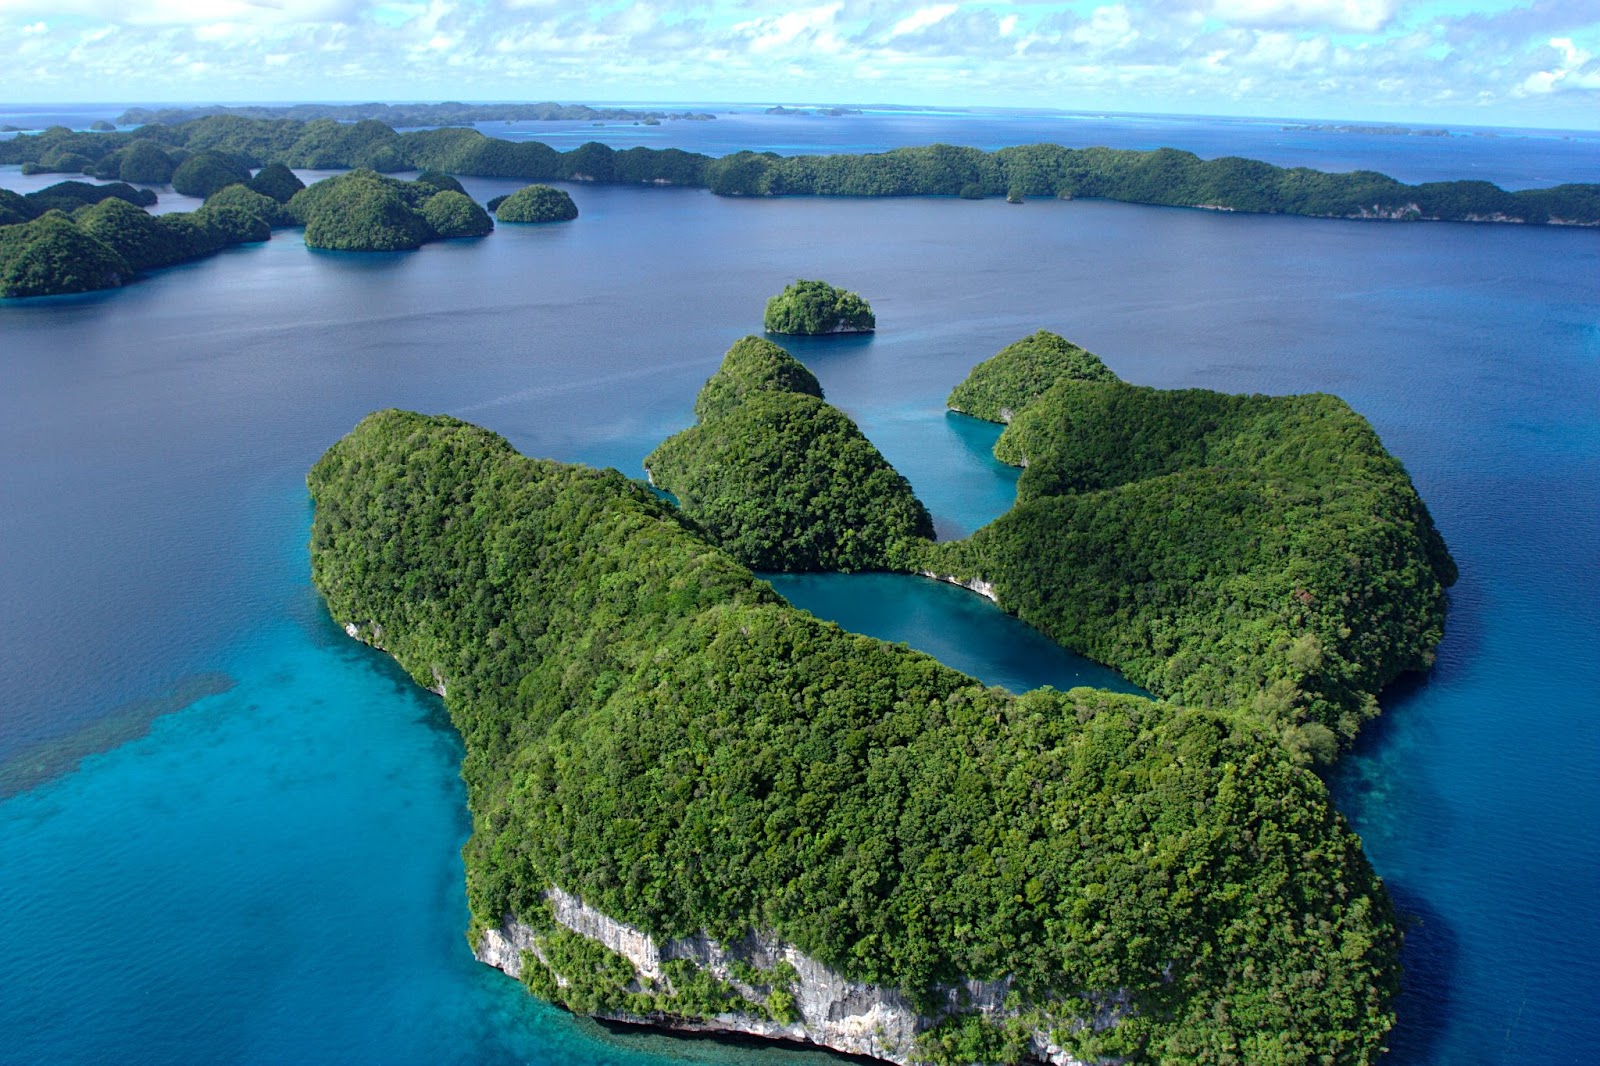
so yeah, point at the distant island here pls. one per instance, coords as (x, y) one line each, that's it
(1164, 176)
(810, 308)
(401, 116)
(1380, 131)
(697, 807)
(813, 112)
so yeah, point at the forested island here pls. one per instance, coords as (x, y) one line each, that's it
(696, 806)
(782, 479)
(1262, 553)
(535, 203)
(1164, 176)
(401, 116)
(76, 237)
(810, 308)
(364, 211)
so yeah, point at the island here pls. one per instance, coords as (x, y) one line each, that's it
(1163, 176)
(809, 308)
(364, 211)
(207, 172)
(696, 807)
(535, 203)
(108, 238)
(1264, 553)
(404, 115)
(77, 237)
(783, 480)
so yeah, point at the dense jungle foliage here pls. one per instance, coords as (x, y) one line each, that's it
(783, 480)
(364, 211)
(277, 181)
(108, 240)
(813, 307)
(1004, 384)
(105, 243)
(1262, 552)
(536, 203)
(50, 255)
(1164, 176)
(207, 172)
(653, 730)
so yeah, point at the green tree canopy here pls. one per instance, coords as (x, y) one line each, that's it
(649, 728)
(206, 172)
(361, 212)
(753, 364)
(440, 181)
(50, 255)
(537, 203)
(277, 181)
(1022, 371)
(813, 307)
(1263, 552)
(146, 162)
(454, 214)
(783, 480)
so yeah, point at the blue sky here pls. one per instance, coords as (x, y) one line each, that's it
(1483, 62)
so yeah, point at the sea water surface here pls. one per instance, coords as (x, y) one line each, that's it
(230, 835)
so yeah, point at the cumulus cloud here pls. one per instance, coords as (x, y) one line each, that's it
(1360, 16)
(1267, 56)
(1576, 70)
(189, 12)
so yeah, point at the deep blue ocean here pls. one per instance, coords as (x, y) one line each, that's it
(229, 834)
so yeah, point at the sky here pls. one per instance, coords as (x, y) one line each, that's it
(1469, 62)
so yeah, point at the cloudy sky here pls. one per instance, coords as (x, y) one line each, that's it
(1488, 62)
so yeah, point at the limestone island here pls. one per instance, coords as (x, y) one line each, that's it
(698, 808)
(782, 479)
(364, 211)
(1260, 553)
(809, 308)
(76, 237)
(328, 137)
(535, 203)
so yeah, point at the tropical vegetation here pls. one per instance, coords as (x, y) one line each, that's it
(536, 203)
(1256, 552)
(783, 480)
(813, 307)
(653, 730)
(1163, 176)
(364, 211)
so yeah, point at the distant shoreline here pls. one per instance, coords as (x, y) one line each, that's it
(1163, 177)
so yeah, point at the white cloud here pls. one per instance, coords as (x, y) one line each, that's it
(1575, 71)
(1361, 16)
(921, 20)
(1347, 58)
(188, 12)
